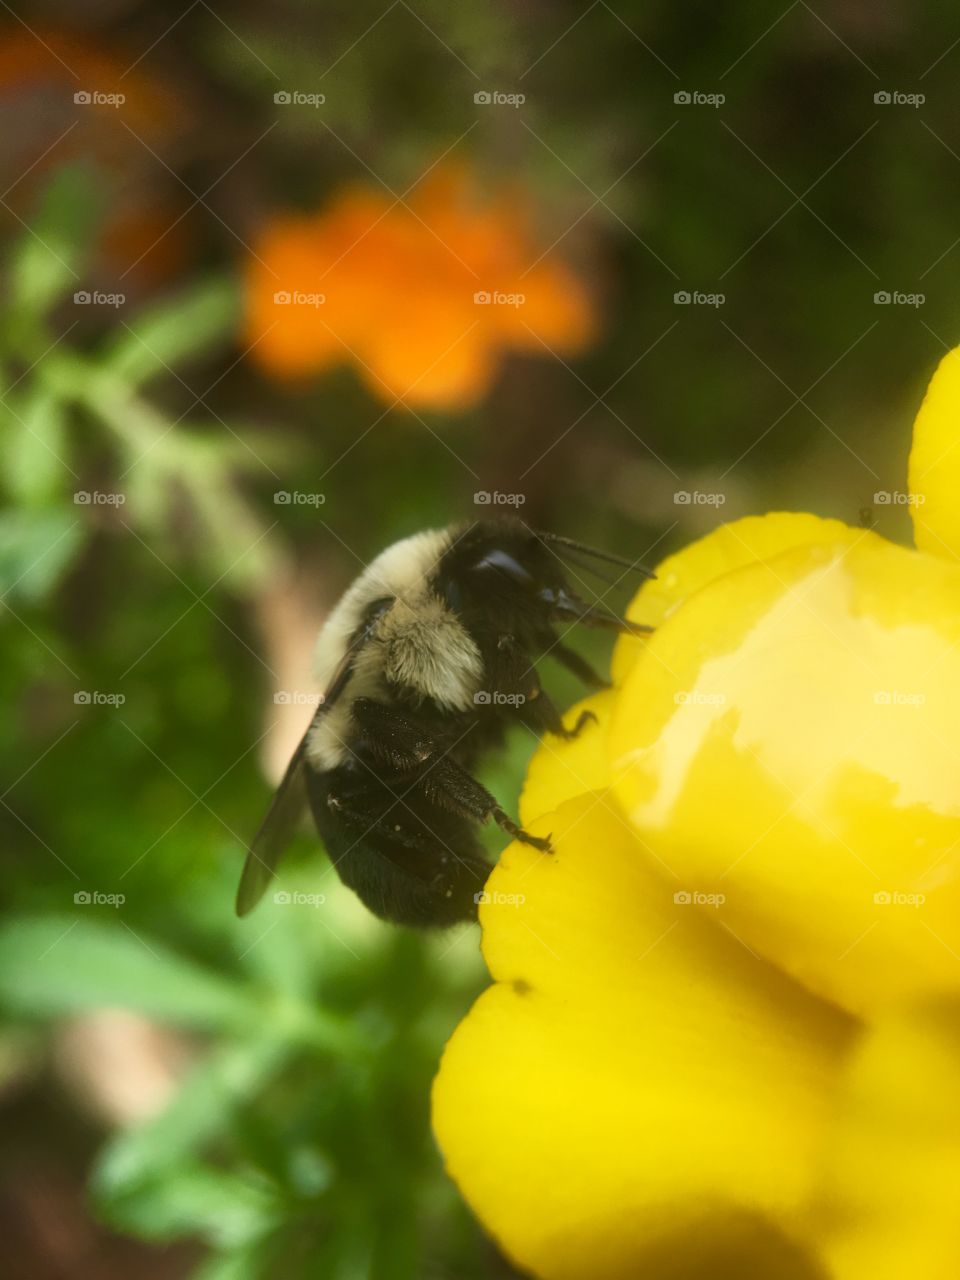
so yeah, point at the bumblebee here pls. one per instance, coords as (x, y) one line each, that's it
(426, 659)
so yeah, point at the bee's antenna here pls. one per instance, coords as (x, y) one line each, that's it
(584, 563)
(632, 565)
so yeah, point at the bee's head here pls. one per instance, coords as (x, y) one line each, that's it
(500, 574)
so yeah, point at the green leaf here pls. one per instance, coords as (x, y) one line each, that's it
(283, 958)
(36, 547)
(240, 1264)
(172, 331)
(33, 459)
(51, 965)
(225, 1209)
(202, 1109)
(48, 259)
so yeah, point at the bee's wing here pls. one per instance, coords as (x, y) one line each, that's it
(276, 831)
(289, 804)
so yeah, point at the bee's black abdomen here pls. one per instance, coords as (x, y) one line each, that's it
(409, 862)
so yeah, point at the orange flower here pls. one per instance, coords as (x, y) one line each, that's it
(424, 296)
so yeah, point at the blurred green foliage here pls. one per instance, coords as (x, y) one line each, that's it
(298, 1143)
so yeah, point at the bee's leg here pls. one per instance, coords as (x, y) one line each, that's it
(516, 678)
(415, 757)
(578, 666)
(370, 807)
(514, 671)
(449, 786)
(391, 737)
(511, 671)
(506, 823)
(392, 822)
(542, 715)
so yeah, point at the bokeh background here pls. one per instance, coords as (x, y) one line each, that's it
(194, 466)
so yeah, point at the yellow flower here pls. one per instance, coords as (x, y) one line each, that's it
(723, 1036)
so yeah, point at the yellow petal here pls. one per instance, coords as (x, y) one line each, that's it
(638, 1090)
(729, 547)
(563, 768)
(935, 463)
(890, 1200)
(791, 738)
